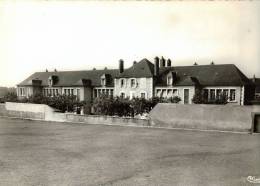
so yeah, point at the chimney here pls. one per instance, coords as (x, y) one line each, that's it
(46, 70)
(121, 66)
(156, 66)
(162, 62)
(169, 63)
(55, 70)
(254, 79)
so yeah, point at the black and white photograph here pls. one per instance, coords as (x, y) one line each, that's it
(129, 93)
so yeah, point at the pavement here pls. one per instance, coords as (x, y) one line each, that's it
(52, 153)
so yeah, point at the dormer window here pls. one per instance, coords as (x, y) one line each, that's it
(53, 79)
(169, 80)
(50, 81)
(103, 81)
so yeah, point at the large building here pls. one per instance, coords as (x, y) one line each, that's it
(144, 79)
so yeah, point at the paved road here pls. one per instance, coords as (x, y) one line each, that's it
(46, 153)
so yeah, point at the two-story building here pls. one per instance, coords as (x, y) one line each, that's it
(146, 80)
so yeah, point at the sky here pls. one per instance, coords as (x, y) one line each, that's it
(81, 35)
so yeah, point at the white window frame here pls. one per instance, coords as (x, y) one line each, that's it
(131, 94)
(122, 92)
(78, 93)
(169, 82)
(22, 91)
(222, 91)
(135, 84)
(177, 92)
(69, 91)
(124, 80)
(103, 81)
(143, 92)
(233, 100)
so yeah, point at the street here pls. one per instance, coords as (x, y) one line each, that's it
(52, 153)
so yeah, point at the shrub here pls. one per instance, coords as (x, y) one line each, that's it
(10, 97)
(199, 98)
(125, 107)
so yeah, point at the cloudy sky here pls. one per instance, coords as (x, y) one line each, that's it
(69, 35)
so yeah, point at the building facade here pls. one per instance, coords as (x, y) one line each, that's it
(144, 80)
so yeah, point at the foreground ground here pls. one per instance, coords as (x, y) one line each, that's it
(45, 153)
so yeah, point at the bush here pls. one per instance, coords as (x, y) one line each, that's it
(63, 103)
(10, 97)
(125, 107)
(199, 98)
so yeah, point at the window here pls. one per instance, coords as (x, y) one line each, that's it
(78, 94)
(169, 80)
(122, 95)
(164, 93)
(103, 81)
(232, 95)
(174, 92)
(143, 95)
(122, 82)
(212, 94)
(206, 94)
(219, 92)
(50, 81)
(132, 94)
(158, 92)
(112, 92)
(169, 93)
(225, 93)
(133, 83)
(22, 91)
(68, 91)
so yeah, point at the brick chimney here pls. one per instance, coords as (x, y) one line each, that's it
(156, 66)
(162, 62)
(121, 66)
(169, 63)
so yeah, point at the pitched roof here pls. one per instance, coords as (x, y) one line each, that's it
(144, 68)
(71, 78)
(206, 75)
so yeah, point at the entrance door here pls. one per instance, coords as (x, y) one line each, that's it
(186, 96)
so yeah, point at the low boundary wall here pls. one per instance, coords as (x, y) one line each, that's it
(204, 117)
(22, 110)
(108, 120)
(164, 115)
(44, 112)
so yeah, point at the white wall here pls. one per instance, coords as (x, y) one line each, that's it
(25, 107)
(180, 92)
(143, 85)
(28, 91)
